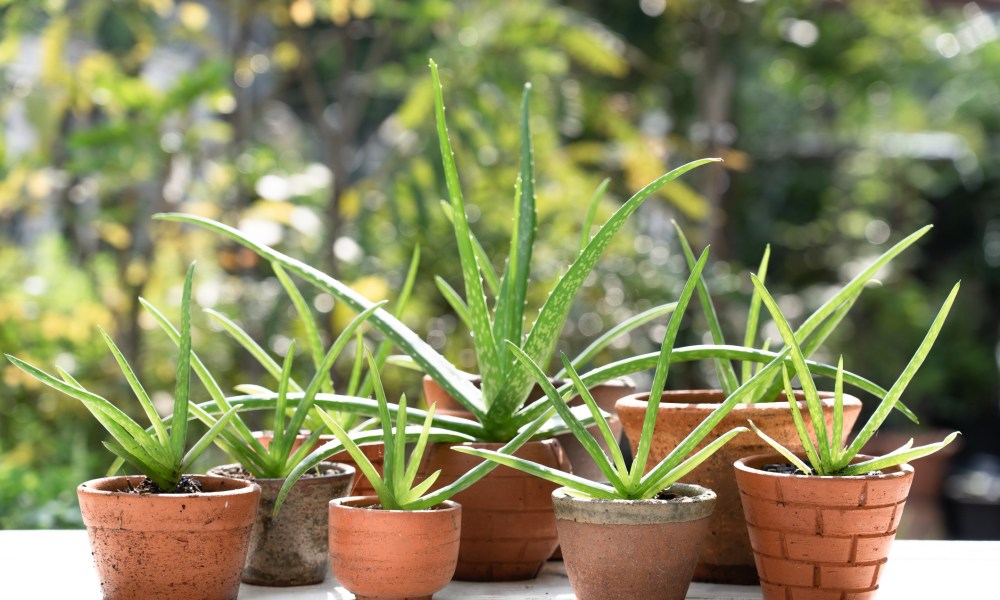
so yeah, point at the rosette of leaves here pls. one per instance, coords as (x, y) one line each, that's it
(161, 453)
(826, 455)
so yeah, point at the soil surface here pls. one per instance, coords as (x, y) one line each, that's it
(672, 497)
(786, 469)
(238, 472)
(187, 485)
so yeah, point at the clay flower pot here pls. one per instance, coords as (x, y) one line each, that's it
(820, 537)
(291, 548)
(508, 527)
(605, 394)
(361, 486)
(393, 554)
(726, 556)
(169, 546)
(632, 549)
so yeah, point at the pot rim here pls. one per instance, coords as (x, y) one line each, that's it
(89, 487)
(636, 512)
(351, 502)
(743, 464)
(345, 471)
(639, 400)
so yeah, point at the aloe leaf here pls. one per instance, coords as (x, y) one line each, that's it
(602, 424)
(662, 368)
(233, 444)
(856, 285)
(549, 323)
(897, 389)
(419, 490)
(788, 454)
(435, 365)
(485, 265)
(137, 389)
(398, 474)
(285, 466)
(365, 465)
(417, 454)
(308, 323)
(579, 431)
(723, 368)
(659, 479)
(479, 471)
(838, 411)
(556, 476)
(487, 353)
(162, 479)
(514, 285)
(618, 330)
(808, 447)
(896, 458)
(588, 220)
(805, 378)
(182, 388)
(454, 301)
(206, 440)
(753, 314)
(214, 390)
(280, 433)
(355, 379)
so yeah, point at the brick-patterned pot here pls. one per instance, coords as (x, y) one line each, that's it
(726, 556)
(820, 537)
(632, 548)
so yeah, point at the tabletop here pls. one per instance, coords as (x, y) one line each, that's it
(57, 564)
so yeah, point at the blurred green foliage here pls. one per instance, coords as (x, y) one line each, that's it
(308, 123)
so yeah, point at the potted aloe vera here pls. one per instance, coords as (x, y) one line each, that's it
(500, 406)
(164, 533)
(638, 535)
(822, 522)
(727, 556)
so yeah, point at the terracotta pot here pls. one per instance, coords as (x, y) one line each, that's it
(290, 549)
(374, 452)
(726, 556)
(605, 394)
(632, 549)
(393, 554)
(508, 527)
(820, 537)
(169, 546)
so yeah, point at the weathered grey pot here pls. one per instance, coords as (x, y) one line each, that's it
(291, 548)
(632, 549)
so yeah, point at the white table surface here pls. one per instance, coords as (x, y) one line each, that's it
(57, 564)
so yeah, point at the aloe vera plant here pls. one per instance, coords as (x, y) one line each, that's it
(827, 455)
(159, 454)
(809, 336)
(623, 481)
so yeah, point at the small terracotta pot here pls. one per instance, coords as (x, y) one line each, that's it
(605, 394)
(169, 546)
(632, 549)
(508, 527)
(820, 537)
(374, 452)
(393, 554)
(290, 549)
(726, 556)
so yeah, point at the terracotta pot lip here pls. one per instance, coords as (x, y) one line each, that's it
(345, 471)
(93, 487)
(639, 400)
(624, 381)
(636, 512)
(362, 502)
(745, 465)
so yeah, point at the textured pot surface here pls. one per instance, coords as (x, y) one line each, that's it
(291, 548)
(632, 549)
(374, 452)
(508, 527)
(605, 394)
(169, 546)
(820, 537)
(726, 556)
(393, 554)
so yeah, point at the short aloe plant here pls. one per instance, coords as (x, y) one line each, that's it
(158, 454)
(827, 454)
(624, 482)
